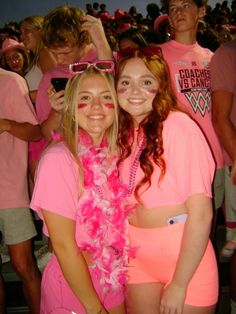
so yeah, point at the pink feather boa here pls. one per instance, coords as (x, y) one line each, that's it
(103, 214)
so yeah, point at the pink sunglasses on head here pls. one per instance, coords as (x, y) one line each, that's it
(103, 66)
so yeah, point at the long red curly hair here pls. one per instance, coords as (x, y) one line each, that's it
(152, 126)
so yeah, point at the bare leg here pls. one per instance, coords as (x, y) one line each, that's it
(143, 298)
(188, 309)
(24, 264)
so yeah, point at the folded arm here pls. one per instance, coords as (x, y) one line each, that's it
(23, 130)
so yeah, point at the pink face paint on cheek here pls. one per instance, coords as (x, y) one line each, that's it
(82, 105)
(152, 91)
(122, 90)
(109, 105)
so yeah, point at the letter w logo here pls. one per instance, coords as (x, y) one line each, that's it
(199, 101)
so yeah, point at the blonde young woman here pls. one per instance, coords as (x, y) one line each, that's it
(43, 60)
(80, 199)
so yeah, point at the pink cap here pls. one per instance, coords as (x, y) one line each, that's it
(160, 20)
(11, 44)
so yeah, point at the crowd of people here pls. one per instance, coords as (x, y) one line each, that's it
(127, 164)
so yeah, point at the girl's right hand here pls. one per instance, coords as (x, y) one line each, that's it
(56, 99)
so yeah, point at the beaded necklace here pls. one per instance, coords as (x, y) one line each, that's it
(133, 168)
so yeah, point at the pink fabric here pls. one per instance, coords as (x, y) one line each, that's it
(56, 295)
(224, 77)
(15, 105)
(166, 242)
(57, 166)
(43, 107)
(189, 165)
(190, 73)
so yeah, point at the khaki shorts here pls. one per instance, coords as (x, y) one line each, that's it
(16, 225)
(230, 206)
(219, 188)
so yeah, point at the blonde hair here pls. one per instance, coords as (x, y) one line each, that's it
(35, 21)
(70, 125)
(63, 25)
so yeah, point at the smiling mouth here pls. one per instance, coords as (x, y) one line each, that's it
(136, 101)
(96, 117)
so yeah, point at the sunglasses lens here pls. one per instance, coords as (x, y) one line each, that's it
(105, 66)
(79, 67)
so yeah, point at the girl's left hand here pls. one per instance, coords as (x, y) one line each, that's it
(172, 300)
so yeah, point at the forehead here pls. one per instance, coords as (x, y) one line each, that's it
(27, 26)
(93, 82)
(135, 67)
(63, 49)
(14, 54)
(176, 2)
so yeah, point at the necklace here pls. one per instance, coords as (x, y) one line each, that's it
(133, 168)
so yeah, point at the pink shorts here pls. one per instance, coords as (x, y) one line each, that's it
(57, 297)
(156, 258)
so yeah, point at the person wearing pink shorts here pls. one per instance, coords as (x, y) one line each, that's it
(79, 197)
(168, 167)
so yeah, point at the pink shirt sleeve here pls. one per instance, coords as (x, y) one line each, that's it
(56, 188)
(223, 65)
(42, 104)
(18, 94)
(189, 158)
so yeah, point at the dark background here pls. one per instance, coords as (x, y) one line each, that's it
(16, 10)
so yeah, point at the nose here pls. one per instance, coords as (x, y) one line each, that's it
(60, 59)
(14, 61)
(135, 88)
(179, 9)
(22, 36)
(96, 104)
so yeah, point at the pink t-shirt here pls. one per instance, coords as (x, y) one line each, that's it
(42, 104)
(223, 69)
(56, 190)
(15, 105)
(56, 184)
(189, 165)
(190, 74)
